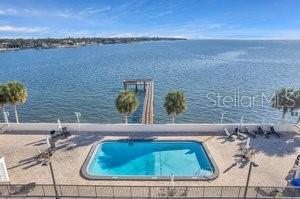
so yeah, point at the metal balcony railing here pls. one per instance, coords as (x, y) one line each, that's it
(96, 191)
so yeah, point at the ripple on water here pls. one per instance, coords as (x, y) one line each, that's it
(87, 79)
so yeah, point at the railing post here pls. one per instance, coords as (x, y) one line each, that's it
(203, 192)
(78, 194)
(221, 191)
(96, 191)
(239, 191)
(149, 192)
(113, 188)
(61, 193)
(8, 190)
(186, 192)
(130, 191)
(43, 191)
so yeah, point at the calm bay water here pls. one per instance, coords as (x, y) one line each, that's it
(87, 79)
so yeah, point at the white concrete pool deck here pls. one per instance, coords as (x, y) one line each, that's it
(275, 156)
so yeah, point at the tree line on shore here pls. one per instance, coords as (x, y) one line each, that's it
(55, 42)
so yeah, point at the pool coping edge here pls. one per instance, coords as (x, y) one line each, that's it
(87, 176)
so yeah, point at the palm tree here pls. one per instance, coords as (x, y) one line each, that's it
(4, 97)
(126, 103)
(296, 98)
(284, 99)
(175, 103)
(17, 95)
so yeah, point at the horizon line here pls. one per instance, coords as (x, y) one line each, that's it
(160, 37)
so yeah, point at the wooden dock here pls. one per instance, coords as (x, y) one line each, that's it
(148, 87)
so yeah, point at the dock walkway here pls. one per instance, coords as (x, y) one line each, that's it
(148, 86)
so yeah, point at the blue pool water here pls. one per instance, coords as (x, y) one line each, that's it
(150, 158)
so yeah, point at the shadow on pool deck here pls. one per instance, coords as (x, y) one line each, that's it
(273, 146)
(86, 139)
(27, 163)
(80, 140)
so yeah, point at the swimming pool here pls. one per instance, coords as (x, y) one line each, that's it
(149, 159)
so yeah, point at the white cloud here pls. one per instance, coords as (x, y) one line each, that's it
(161, 14)
(65, 15)
(86, 11)
(10, 28)
(94, 10)
(8, 11)
(21, 12)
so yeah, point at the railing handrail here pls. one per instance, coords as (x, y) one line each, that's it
(78, 191)
(177, 186)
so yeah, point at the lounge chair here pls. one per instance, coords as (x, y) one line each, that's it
(43, 154)
(65, 132)
(229, 135)
(249, 132)
(50, 143)
(272, 131)
(55, 134)
(22, 189)
(246, 150)
(52, 133)
(239, 134)
(262, 132)
(247, 153)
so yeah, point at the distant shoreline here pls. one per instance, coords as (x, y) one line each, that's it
(47, 43)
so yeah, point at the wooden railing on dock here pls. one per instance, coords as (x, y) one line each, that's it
(148, 86)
